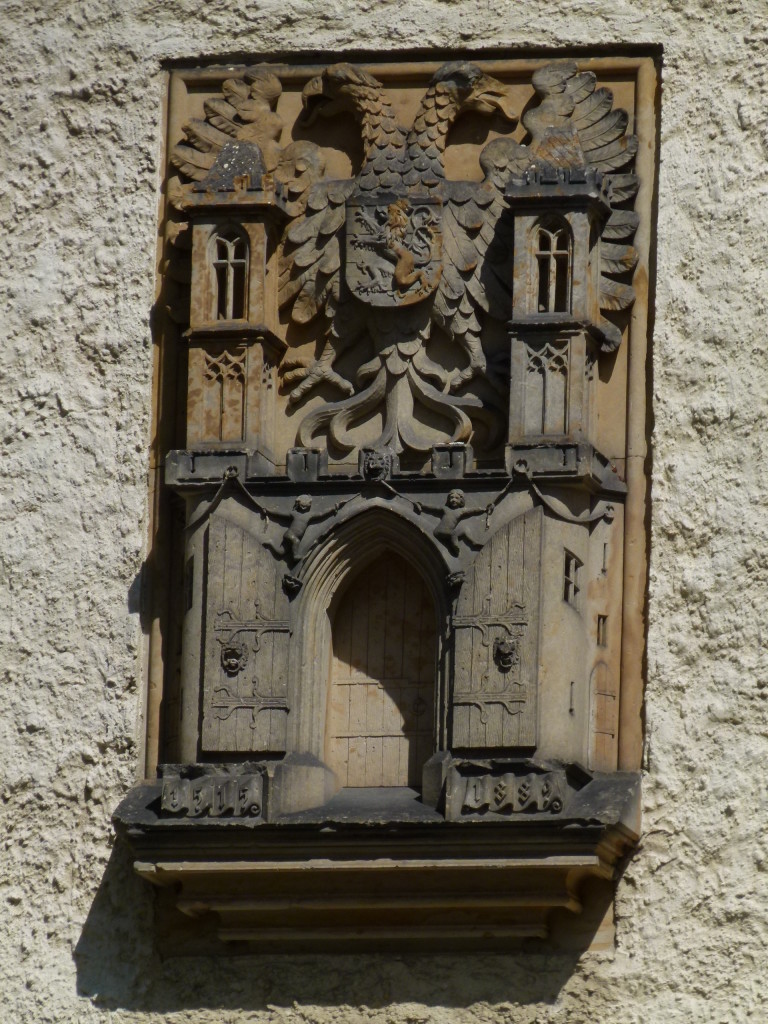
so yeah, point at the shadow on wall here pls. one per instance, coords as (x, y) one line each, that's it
(122, 963)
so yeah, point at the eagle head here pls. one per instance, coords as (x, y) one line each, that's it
(340, 88)
(472, 89)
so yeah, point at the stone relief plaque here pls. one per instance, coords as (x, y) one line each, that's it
(405, 304)
(401, 294)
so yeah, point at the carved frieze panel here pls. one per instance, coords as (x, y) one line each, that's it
(518, 790)
(497, 789)
(213, 796)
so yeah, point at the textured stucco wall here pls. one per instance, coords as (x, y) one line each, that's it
(80, 127)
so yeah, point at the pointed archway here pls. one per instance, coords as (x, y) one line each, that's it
(381, 714)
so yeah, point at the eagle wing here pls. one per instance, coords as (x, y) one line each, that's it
(478, 251)
(310, 260)
(242, 112)
(310, 286)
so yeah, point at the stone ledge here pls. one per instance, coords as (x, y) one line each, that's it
(380, 870)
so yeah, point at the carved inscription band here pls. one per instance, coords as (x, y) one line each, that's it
(513, 794)
(238, 796)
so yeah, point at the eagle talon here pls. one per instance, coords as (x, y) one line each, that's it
(494, 378)
(309, 375)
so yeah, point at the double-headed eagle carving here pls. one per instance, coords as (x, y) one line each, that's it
(406, 273)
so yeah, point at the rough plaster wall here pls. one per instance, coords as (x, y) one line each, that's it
(81, 137)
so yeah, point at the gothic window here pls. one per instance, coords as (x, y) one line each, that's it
(230, 267)
(553, 262)
(571, 579)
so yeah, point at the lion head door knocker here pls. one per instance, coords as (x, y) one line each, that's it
(234, 658)
(506, 654)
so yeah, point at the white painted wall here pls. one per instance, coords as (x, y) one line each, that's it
(81, 139)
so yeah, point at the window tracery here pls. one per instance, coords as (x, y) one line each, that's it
(553, 267)
(230, 267)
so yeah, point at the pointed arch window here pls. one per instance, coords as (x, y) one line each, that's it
(554, 252)
(230, 268)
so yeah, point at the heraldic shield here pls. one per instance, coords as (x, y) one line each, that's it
(394, 247)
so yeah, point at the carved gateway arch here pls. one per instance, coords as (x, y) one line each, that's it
(345, 554)
(268, 633)
(420, 371)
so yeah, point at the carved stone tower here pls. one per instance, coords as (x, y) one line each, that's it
(235, 214)
(559, 214)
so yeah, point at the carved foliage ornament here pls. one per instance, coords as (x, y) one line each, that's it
(385, 263)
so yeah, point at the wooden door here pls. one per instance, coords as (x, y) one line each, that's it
(245, 698)
(495, 704)
(382, 689)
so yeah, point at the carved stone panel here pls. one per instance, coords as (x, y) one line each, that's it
(410, 302)
(496, 641)
(397, 280)
(551, 385)
(213, 796)
(509, 789)
(231, 390)
(247, 639)
(222, 377)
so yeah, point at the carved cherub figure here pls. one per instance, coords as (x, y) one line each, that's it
(299, 520)
(451, 528)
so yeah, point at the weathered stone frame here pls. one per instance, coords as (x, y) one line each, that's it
(630, 732)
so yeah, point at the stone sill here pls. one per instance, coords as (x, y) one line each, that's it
(372, 869)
